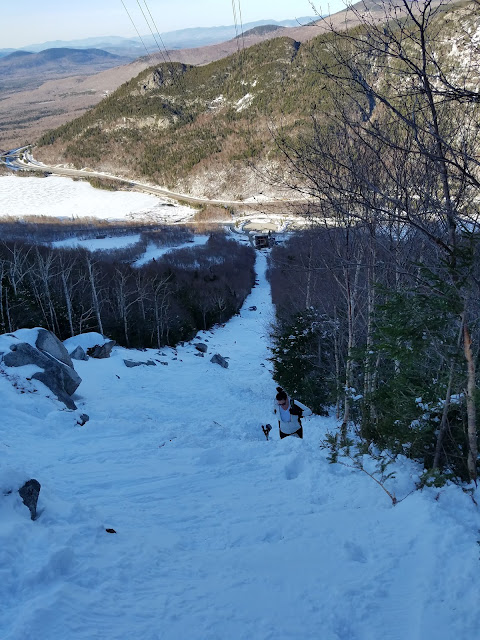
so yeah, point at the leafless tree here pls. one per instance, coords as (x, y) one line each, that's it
(396, 138)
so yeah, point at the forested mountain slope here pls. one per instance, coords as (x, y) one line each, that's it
(178, 124)
(214, 129)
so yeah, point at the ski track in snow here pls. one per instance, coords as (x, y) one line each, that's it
(220, 534)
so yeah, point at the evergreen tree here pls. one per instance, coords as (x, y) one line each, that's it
(416, 340)
(302, 357)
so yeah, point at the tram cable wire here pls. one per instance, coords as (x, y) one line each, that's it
(158, 33)
(148, 24)
(150, 55)
(241, 26)
(172, 67)
(134, 26)
(234, 10)
(251, 134)
(242, 56)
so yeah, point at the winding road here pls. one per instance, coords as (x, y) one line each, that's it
(22, 159)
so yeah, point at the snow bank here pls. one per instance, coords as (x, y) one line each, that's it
(21, 335)
(85, 340)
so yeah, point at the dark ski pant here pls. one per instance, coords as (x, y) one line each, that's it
(298, 433)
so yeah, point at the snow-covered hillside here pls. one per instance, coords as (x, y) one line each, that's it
(219, 533)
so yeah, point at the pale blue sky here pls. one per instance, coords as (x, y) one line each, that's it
(24, 22)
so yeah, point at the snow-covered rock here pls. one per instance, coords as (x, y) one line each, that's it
(43, 350)
(218, 359)
(49, 343)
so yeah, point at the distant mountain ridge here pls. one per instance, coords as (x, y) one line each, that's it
(260, 30)
(179, 39)
(200, 129)
(17, 60)
(28, 69)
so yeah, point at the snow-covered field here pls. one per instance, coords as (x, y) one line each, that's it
(220, 534)
(98, 244)
(154, 252)
(65, 198)
(121, 242)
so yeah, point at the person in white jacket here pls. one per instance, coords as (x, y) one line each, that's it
(289, 414)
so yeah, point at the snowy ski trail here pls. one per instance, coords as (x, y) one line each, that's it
(220, 534)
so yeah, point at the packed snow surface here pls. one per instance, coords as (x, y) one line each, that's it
(219, 532)
(59, 197)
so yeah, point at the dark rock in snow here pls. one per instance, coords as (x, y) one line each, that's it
(133, 363)
(200, 346)
(200, 355)
(78, 354)
(29, 494)
(83, 418)
(101, 350)
(218, 359)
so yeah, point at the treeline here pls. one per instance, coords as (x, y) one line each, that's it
(44, 229)
(367, 328)
(390, 333)
(72, 291)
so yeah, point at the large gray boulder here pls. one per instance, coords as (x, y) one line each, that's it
(49, 343)
(60, 378)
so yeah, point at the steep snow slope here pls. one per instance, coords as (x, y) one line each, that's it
(220, 534)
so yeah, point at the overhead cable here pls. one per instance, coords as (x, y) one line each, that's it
(234, 10)
(148, 24)
(134, 26)
(172, 68)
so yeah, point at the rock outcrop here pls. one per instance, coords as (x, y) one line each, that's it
(50, 355)
(49, 343)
